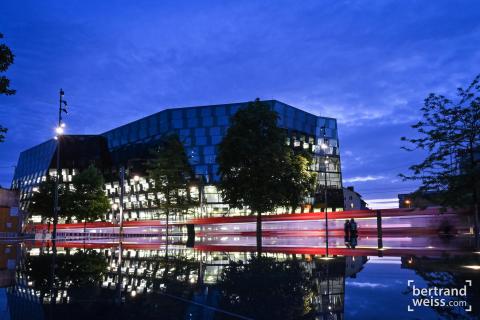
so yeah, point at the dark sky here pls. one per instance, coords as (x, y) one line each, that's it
(369, 64)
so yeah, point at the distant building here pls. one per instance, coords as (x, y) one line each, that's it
(10, 216)
(418, 200)
(353, 200)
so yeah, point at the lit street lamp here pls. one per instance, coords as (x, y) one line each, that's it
(324, 145)
(59, 131)
(408, 202)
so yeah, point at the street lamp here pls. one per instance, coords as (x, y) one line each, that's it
(122, 194)
(326, 205)
(324, 145)
(408, 202)
(59, 131)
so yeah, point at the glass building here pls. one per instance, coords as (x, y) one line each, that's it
(200, 129)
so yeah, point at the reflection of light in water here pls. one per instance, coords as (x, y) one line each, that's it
(327, 258)
(385, 260)
(473, 267)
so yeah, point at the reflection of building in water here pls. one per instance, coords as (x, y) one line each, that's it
(138, 266)
(449, 272)
(193, 275)
(330, 275)
(8, 262)
(23, 301)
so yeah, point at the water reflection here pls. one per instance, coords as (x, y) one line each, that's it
(142, 280)
(449, 272)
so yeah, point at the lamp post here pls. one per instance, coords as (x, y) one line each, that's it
(326, 206)
(59, 131)
(408, 202)
(122, 193)
(136, 189)
(324, 147)
(114, 217)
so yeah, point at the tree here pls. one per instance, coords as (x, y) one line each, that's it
(2, 133)
(284, 286)
(42, 200)
(450, 134)
(299, 181)
(6, 59)
(83, 198)
(257, 169)
(81, 269)
(171, 174)
(88, 201)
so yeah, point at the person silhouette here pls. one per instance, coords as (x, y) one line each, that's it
(353, 242)
(346, 229)
(353, 233)
(353, 228)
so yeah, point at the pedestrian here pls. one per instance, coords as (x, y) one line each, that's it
(353, 228)
(346, 229)
(353, 233)
(353, 242)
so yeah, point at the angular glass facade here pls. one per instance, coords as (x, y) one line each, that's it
(200, 129)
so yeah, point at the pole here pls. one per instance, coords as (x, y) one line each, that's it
(324, 146)
(122, 192)
(119, 274)
(326, 213)
(53, 292)
(59, 171)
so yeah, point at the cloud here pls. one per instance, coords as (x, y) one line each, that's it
(371, 73)
(385, 203)
(366, 284)
(363, 179)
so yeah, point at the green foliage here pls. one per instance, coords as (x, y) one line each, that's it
(284, 289)
(87, 200)
(6, 59)
(252, 159)
(42, 200)
(83, 268)
(450, 134)
(298, 181)
(171, 174)
(257, 168)
(83, 198)
(2, 133)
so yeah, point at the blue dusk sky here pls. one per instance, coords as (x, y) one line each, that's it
(369, 64)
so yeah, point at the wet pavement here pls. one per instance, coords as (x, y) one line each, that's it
(220, 276)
